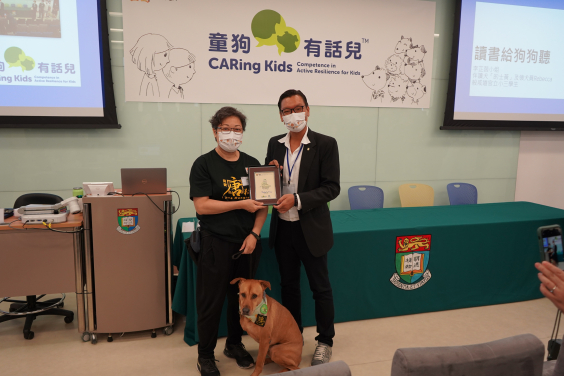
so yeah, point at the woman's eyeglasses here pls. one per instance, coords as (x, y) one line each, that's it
(226, 130)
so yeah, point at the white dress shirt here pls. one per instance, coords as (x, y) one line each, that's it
(295, 161)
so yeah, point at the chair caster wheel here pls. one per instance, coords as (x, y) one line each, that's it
(29, 335)
(154, 334)
(94, 339)
(69, 319)
(110, 338)
(85, 337)
(168, 330)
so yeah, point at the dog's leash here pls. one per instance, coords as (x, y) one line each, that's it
(238, 254)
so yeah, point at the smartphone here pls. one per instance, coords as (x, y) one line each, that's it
(550, 244)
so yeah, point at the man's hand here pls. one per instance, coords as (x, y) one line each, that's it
(285, 203)
(274, 162)
(249, 244)
(251, 205)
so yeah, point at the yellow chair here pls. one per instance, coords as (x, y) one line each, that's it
(412, 194)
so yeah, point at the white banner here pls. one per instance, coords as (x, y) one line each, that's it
(357, 53)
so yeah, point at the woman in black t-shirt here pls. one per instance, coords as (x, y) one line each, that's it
(230, 222)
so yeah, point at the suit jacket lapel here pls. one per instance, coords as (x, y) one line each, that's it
(308, 153)
(280, 153)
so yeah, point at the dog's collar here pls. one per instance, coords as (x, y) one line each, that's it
(258, 316)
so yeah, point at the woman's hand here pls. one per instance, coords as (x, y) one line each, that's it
(251, 205)
(552, 283)
(249, 244)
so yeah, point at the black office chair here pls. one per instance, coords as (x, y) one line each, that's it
(32, 306)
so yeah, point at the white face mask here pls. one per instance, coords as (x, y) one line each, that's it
(295, 122)
(229, 142)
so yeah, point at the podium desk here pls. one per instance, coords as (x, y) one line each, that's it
(35, 260)
(127, 266)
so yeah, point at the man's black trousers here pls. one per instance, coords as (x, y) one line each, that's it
(216, 269)
(291, 251)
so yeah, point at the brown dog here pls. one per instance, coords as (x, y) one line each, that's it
(273, 326)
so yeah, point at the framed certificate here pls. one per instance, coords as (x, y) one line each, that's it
(265, 184)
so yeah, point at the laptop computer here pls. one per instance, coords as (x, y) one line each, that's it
(143, 180)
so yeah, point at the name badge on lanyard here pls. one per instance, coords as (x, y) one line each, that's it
(289, 187)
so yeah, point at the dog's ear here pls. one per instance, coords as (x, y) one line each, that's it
(237, 280)
(265, 284)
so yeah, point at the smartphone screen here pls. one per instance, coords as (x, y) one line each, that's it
(552, 245)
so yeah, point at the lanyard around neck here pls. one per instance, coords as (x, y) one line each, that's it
(290, 169)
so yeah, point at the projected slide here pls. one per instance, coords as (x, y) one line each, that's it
(50, 58)
(511, 61)
(43, 58)
(516, 63)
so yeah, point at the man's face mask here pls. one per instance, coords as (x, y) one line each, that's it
(295, 122)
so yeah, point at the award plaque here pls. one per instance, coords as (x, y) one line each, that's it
(265, 184)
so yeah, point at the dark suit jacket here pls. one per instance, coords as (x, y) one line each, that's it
(319, 183)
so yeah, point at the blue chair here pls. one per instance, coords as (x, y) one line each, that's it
(366, 197)
(462, 194)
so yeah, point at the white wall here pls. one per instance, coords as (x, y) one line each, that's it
(385, 147)
(540, 169)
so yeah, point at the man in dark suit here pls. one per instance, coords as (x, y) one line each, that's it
(34, 9)
(300, 228)
(41, 10)
(3, 23)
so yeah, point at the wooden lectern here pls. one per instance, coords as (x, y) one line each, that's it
(127, 265)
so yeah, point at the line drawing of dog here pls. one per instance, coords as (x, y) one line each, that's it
(414, 71)
(376, 81)
(397, 88)
(416, 91)
(403, 45)
(395, 65)
(401, 76)
(415, 54)
(279, 336)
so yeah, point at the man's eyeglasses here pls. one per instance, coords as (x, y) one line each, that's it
(226, 130)
(297, 110)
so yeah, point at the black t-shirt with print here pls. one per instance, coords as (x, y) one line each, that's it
(214, 177)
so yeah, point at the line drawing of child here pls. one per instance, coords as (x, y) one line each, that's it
(150, 54)
(179, 71)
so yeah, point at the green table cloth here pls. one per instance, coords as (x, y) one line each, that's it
(469, 255)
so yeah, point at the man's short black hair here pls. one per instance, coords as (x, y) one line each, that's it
(225, 112)
(291, 93)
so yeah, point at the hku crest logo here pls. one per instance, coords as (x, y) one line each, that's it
(127, 220)
(412, 260)
(269, 29)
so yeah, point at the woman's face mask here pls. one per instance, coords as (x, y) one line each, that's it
(295, 122)
(229, 142)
